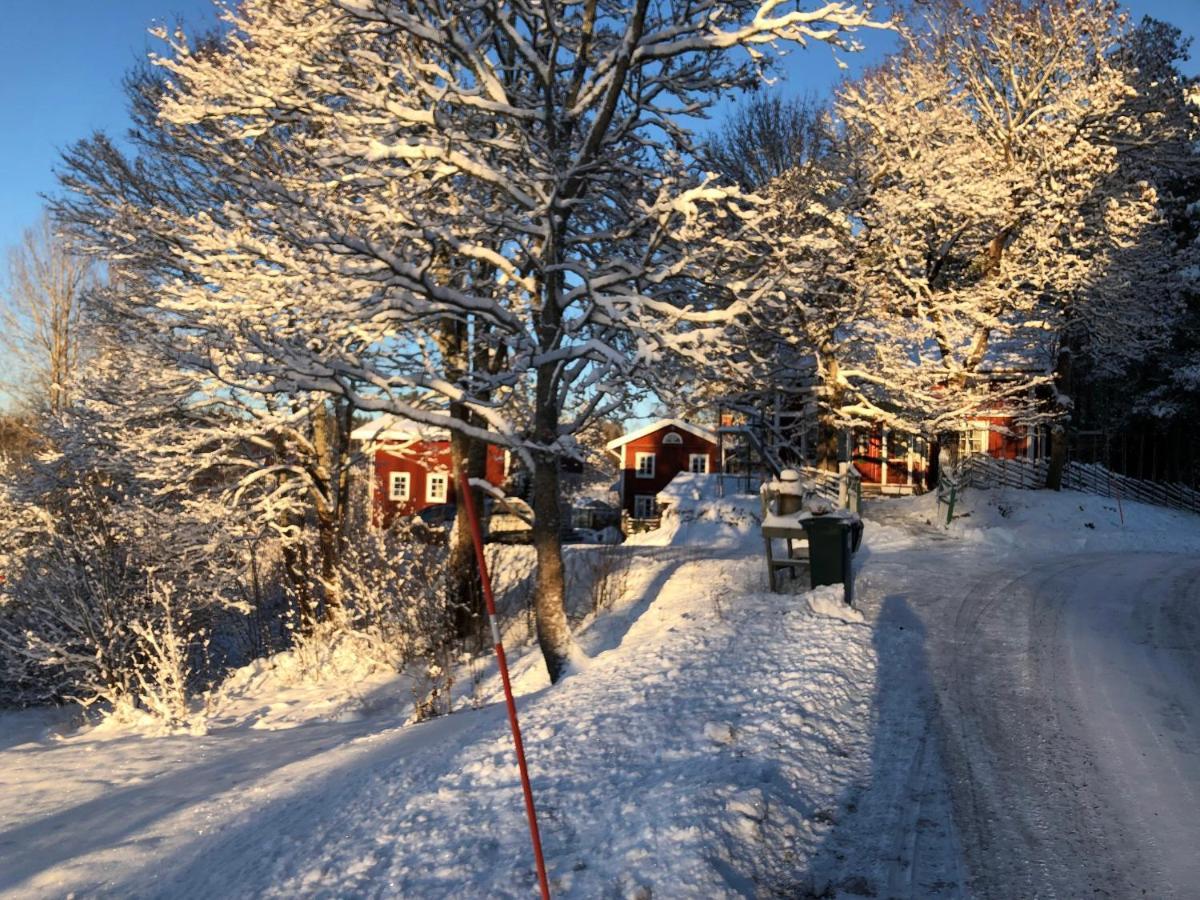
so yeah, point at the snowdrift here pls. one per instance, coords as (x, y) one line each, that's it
(1041, 521)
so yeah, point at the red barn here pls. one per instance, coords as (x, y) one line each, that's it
(651, 456)
(410, 467)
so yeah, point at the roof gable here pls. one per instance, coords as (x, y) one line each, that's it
(392, 428)
(698, 431)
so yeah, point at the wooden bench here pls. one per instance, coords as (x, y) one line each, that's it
(775, 528)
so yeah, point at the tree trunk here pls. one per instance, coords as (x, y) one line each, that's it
(1058, 456)
(933, 469)
(295, 564)
(463, 583)
(553, 632)
(1058, 431)
(330, 506)
(829, 430)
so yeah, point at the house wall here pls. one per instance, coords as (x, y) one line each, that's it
(670, 460)
(419, 460)
(1006, 446)
(868, 459)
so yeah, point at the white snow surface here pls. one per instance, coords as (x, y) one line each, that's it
(716, 740)
(703, 751)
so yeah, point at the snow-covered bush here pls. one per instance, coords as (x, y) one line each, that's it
(394, 612)
(85, 618)
(393, 596)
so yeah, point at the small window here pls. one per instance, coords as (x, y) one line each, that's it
(436, 488)
(644, 506)
(974, 439)
(698, 463)
(645, 465)
(398, 486)
(672, 438)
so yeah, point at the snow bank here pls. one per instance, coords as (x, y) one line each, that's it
(1048, 522)
(696, 515)
(706, 751)
(338, 681)
(829, 602)
(703, 756)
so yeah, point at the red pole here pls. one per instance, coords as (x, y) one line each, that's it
(464, 489)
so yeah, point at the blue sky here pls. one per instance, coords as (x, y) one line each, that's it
(60, 80)
(61, 67)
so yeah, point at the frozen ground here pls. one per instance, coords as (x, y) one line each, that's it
(1066, 661)
(1033, 669)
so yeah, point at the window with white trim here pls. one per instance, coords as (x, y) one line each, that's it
(399, 484)
(698, 463)
(436, 487)
(672, 438)
(644, 465)
(974, 439)
(644, 506)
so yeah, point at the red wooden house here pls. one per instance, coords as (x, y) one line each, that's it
(651, 456)
(410, 467)
(893, 462)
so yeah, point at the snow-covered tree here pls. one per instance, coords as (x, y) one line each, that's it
(271, 450)
(112, 582)
(783, 150)
(1007, 198)
(41, 316)
(519, 170)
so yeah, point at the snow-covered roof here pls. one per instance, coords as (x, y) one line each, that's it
(697, 430)
(393, 428)
(594, 503)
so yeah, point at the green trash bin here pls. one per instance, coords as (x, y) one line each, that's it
(830, 548)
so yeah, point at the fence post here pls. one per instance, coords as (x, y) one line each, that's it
(1117, 494)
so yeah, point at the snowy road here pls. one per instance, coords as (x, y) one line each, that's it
(1069, 705)
(1014, 714)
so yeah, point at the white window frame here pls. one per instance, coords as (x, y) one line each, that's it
(404, 481)
(640, 502)
(1036, 442)
(434, 479)
(674, 439)
(974, 439)
(692, 459)
(637, 464)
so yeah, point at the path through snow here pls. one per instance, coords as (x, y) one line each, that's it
(708, 753)
(1068, 688)
(1032, 674)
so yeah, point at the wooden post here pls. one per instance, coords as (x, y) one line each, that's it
(883, 459)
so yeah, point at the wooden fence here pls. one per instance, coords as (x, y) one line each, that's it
(983, 471)
(1091, 478)
(1095, 479)
(827, 484)
(843, 489)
